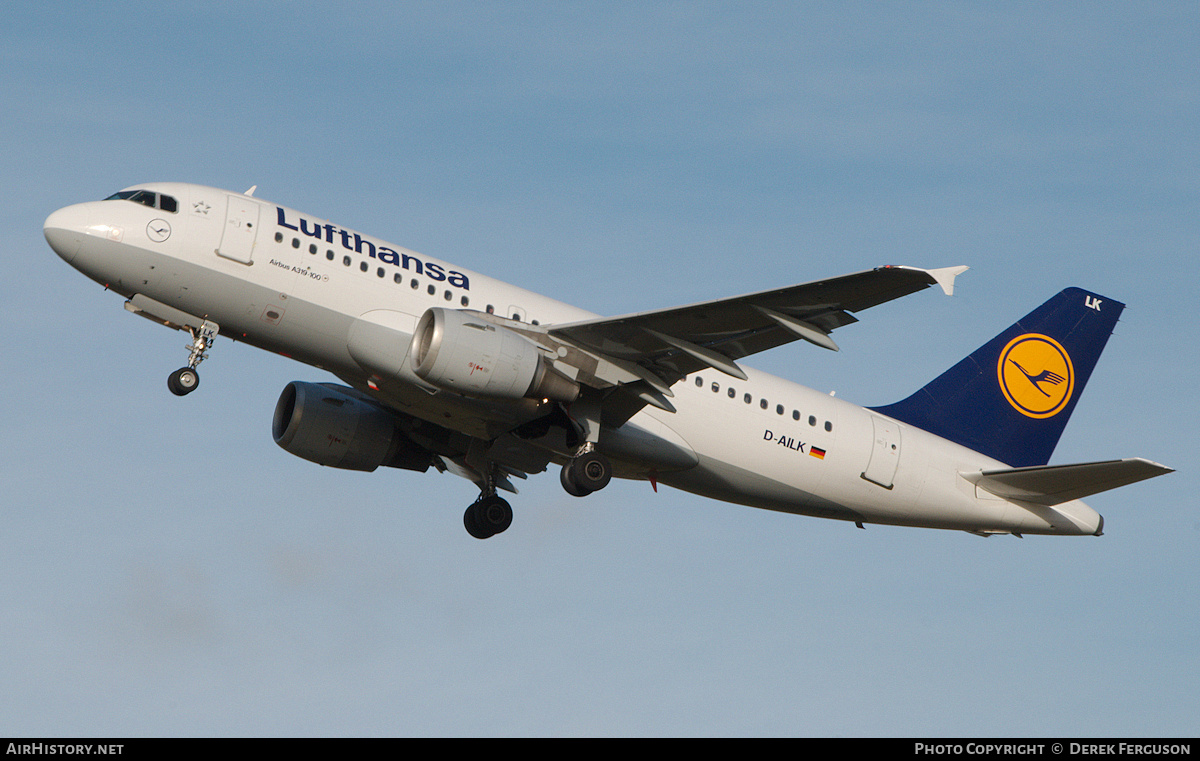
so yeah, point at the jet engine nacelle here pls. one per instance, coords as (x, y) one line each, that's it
(326, 425)
(462, 352)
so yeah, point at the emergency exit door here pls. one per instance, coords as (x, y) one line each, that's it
(885, 453)
(241, 229)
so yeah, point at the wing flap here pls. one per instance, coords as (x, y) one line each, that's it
(1051, 485)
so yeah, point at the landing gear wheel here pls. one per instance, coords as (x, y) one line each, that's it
(183, 381)
(495, 514)
(587, 473)
(567, 479)
(487, 517)
(471, 522)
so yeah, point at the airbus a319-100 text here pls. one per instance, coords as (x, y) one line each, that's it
(449, 369)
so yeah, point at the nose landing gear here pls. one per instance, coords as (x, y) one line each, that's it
(185, 380)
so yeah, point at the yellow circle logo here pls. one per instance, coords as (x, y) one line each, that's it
(1036, 375)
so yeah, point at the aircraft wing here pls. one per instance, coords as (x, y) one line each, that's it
(674, 342)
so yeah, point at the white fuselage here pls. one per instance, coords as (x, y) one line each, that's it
(297, 285)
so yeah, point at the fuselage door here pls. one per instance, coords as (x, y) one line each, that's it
(241, 229)
(885, 453)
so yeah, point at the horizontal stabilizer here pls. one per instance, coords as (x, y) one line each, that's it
(1054, 484)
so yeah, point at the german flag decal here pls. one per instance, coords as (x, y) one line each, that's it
(817, 452)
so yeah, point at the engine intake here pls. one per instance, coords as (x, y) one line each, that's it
(462, 352)
(326, 425)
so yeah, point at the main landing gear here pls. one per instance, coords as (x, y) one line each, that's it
(185, 380)
(586, 473)
(488, 516)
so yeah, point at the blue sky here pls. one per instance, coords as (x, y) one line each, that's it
(168, 570)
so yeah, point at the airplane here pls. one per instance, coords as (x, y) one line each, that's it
(445, 368)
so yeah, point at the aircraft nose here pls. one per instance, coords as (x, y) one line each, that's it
(64, 231)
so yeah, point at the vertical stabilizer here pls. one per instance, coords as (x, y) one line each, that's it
(1011, 399)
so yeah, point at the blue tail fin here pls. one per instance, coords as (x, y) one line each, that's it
(1011, 399)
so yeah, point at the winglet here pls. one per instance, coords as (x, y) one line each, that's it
(945, 277)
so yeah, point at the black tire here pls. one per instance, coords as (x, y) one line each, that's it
(487, 517)
(494, 514)
(183, 381)
(591, 472)
(568, 482)
(471, 523)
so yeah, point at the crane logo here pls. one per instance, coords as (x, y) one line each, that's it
(1036, 375)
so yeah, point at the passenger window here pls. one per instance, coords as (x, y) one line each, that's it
(295, 243)
(716, 387)
(432, 289)
(279, 237)
(828, 426)
(346, 261)
(747, 398)
(363, 266)
(812, 419)
(795, 414)
(762, 403)
(699, 381)
(778, 409)
(380, 272)
(465, 301)
(329, 255)
(732, 392)
(312, 248)
(398, 279)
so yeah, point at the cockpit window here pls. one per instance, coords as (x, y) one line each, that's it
(147, 198)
